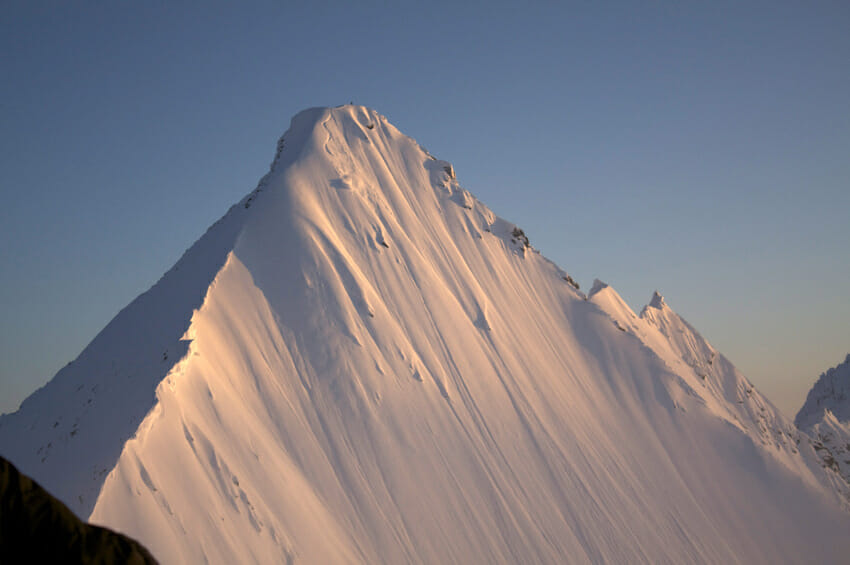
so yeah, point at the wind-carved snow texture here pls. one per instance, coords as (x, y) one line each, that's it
(825, 416)
(717, 384)
(370, 366)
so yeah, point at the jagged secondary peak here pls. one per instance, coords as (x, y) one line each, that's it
(690, 344)
(831, 392)
(657, 301)
(825, 416)
(708, 375)
(598, 285)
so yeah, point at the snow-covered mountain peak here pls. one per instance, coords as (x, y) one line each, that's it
(690, 344)
(825, 416)
(360, 362)
(830, 393)
(657, 301)
(598, 286)
(314, 130)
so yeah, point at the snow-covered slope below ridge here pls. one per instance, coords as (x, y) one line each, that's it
(376, 368)
(825, 416)
(719, 386)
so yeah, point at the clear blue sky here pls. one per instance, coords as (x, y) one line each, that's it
(703, 150)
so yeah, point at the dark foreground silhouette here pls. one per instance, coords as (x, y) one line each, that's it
(36, 528)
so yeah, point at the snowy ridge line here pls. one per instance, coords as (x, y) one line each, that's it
(90, 394)
(710, 377)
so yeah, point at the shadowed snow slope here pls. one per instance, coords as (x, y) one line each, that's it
(376, 368)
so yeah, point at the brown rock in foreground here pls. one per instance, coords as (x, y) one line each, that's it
(36, 528)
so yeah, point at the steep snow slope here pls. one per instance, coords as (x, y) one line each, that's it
(382, 370)
(724, 391)
(826, 417)
(68, 434)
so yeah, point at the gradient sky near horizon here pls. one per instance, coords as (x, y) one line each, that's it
(701, 149)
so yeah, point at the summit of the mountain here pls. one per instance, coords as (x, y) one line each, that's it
(361, 362)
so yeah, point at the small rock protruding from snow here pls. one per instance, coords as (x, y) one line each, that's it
(442, 173)
(571, 281)
(519, 235)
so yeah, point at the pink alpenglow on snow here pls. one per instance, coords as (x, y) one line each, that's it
(361, 363)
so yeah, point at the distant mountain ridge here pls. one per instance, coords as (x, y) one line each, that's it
(826, 417)
(830, 392)
(361, 362)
